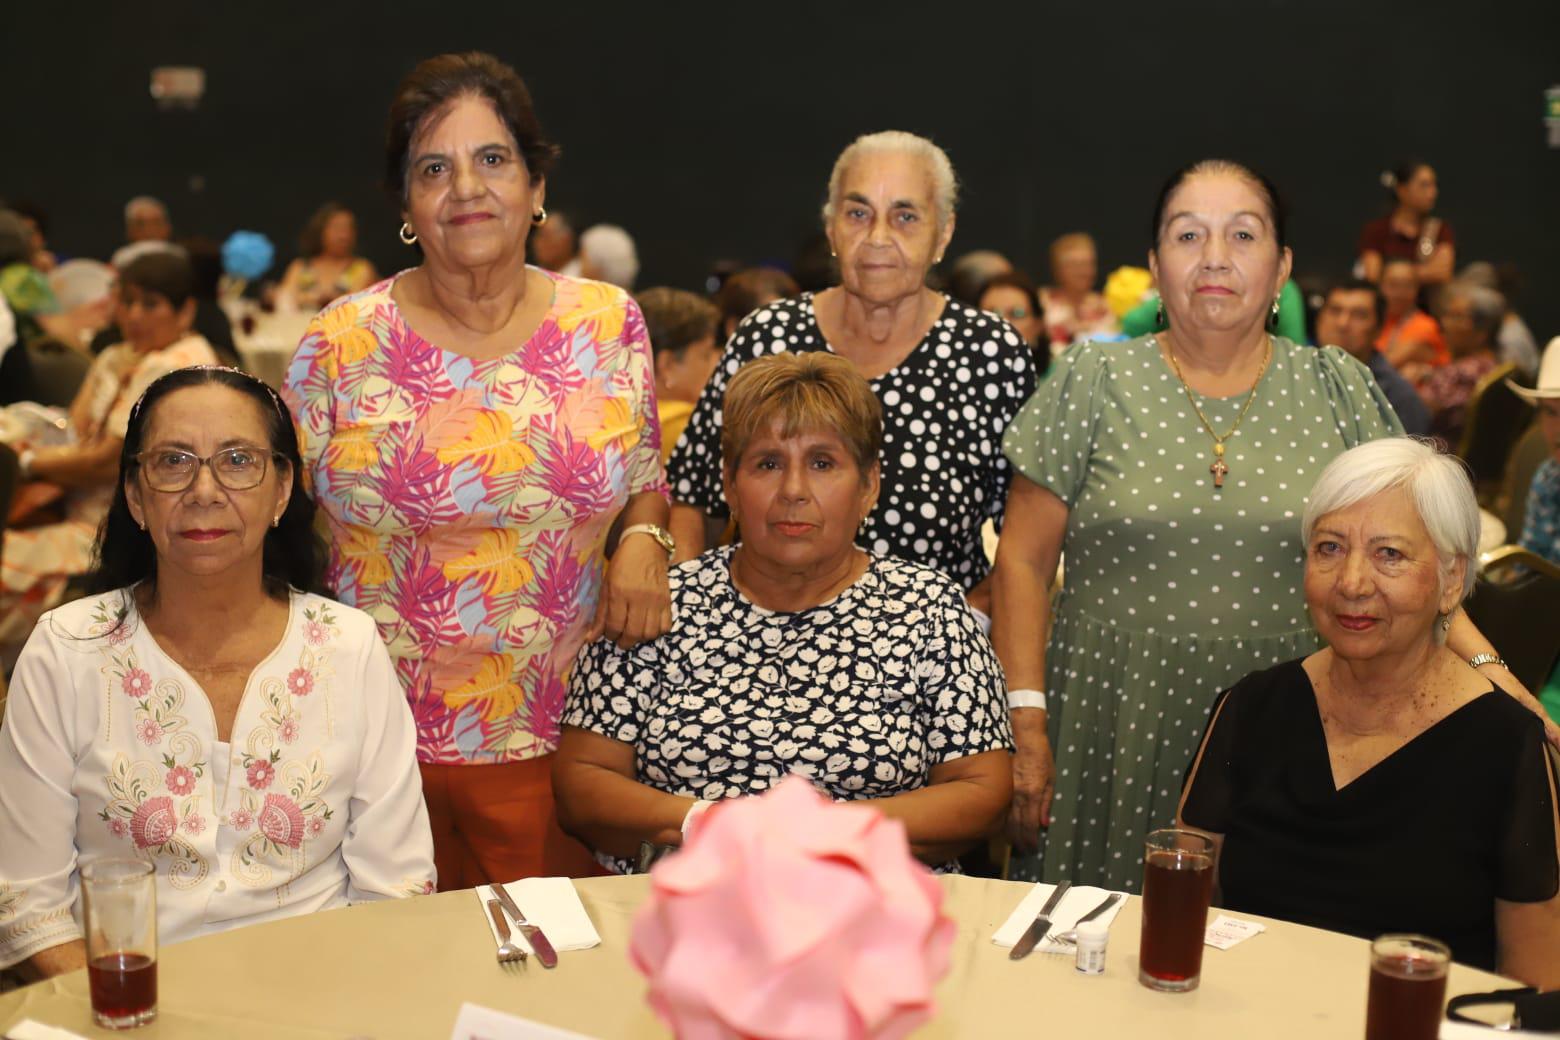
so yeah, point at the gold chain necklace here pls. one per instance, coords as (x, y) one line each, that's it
(1219, 468)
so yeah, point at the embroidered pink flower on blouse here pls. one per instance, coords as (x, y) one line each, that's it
(194, 823)
(281, 820)
(149, 730)
(117, 828)
(316, 826)
(241, 819)
(118, 634)
(137, 683)
(429, 888)
(154, 822)
(180, 780)
(260, 774)
(288, 730)
(299, 682)
(314, 633)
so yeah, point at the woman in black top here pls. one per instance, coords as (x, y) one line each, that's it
(950, 377)
(1381, 784)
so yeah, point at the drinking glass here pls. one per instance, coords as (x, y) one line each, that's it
(120, 900)
(1177, 885)
(1407, 988)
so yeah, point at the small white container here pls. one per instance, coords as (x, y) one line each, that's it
(1092, 939)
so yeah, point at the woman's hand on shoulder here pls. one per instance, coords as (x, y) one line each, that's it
(636, 601)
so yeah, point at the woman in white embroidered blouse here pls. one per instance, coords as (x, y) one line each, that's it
(199, 712)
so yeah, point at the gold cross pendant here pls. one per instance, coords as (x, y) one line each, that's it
(1218, 469)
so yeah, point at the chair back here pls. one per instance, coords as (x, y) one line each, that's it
(1516, 604)
(10, 476)
(1526, 457)
(57, 372)
(1494, 420)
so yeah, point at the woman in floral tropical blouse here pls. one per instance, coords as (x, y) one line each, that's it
(472, 428)
(199, 711)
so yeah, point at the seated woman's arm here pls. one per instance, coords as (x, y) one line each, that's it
(600, 803)
(966, 801)
(79, 465)
(38, 816)
(963, 698)
(1527, 934)
(388, 847)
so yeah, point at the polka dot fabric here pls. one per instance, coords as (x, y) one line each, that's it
(1174, 590)
(944, 409)
(863, 695)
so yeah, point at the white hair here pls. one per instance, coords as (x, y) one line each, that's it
(610, 252)
(143, 202)
(945, 186)
(1487, 308)
(1437, 484)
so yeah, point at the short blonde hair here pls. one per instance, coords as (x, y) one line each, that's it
(945, 185)
(801, 393)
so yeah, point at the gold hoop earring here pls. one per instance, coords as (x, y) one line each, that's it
(407, 235)
(540, 216)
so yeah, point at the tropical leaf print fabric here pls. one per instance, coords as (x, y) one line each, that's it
(468, 501)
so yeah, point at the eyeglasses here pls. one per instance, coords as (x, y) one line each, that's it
(237, 469)
(1014, 313)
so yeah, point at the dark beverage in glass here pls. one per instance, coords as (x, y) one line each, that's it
(119, 898)
(124, 986)
(1407, 988)
(1177, 886)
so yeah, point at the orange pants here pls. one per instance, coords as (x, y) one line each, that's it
(497, 823)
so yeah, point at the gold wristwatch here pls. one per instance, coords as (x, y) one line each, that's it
(662, 536)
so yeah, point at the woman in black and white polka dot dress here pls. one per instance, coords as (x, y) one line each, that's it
(793, 652)
(1174, 470)
(950, 378)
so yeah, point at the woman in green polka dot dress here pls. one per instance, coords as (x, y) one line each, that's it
(1173, 469)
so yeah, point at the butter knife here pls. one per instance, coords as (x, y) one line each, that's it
(1040, 925)
(540, 945)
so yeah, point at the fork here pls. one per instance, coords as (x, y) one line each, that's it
(508, 952)
(1070, 937)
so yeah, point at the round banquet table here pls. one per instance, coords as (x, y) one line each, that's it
(403, 968)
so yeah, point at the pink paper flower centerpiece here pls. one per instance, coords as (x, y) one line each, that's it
(789, 916)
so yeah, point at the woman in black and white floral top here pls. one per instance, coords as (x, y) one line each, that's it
(794, 651)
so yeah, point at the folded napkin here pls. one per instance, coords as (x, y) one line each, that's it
(552, 905)
(1079, 900)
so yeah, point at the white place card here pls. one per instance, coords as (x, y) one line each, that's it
(476, 1022)
(1226, 931)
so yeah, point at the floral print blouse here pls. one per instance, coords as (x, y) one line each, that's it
(469, 501)
(109, 748)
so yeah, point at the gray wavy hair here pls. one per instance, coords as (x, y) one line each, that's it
(945, 185)
(1436, 483)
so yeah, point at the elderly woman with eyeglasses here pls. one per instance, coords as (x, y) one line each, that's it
(1381, 784)
(201, 710)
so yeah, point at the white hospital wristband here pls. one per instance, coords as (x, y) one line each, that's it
(699, 808)
(1026, 699)
(982, 619)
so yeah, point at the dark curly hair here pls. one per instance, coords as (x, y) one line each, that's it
(437, 81)
(292, 553)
